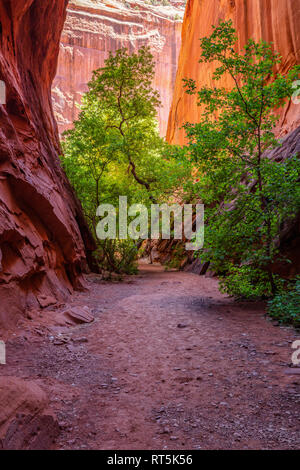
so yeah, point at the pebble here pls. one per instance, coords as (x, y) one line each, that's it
(80, 340)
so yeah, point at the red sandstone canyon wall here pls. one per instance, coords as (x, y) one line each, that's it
(275, 21)
(95, 27)
(42, 252)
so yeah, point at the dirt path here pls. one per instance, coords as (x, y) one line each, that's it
(169, 363)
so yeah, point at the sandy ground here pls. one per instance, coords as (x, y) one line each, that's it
(168, 363)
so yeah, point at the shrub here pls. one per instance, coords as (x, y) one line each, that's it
(285, 306)
(118, 256)
(246, 282)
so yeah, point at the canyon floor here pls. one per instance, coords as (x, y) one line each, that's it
(168, 363)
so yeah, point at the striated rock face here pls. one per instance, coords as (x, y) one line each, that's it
(42, 252)
(275, 21)
(95, 27)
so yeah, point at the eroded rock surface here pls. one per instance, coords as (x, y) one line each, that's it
(24, 420)
(43, 236)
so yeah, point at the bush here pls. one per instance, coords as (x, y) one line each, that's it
(118, 256)
(246, 282)
(178, 254)
(285, 306)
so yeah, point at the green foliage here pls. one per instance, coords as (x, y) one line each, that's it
(115, 149)
(178, 254)
(285, 306)
(117, 256)
(247, 282)
(247, 196)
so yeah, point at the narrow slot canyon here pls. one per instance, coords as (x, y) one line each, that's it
(138, 343)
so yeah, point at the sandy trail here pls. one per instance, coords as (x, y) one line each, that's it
(169, 363)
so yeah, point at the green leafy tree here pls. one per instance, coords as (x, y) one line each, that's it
(247, 195)
(123, 88)
(115, 149)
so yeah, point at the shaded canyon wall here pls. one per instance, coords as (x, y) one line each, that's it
(93, 28)
(42, 251)
(275, 21)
